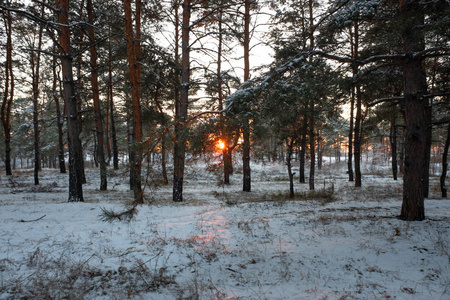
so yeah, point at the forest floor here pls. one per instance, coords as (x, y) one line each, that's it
(337, 242)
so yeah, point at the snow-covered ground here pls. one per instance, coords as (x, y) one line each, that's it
(339, 242)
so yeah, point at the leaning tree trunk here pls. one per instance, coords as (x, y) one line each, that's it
(96, 99)
(445, 164)
(75, 170)
(179, 153)
(415, 112)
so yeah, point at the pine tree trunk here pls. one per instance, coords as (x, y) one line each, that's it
(358, 119)
(415, 112)
(133, 54)
(426, 175)
(393, 140)
(163, 162)
(227, 164)
(35, 69)
(80, 87)
(311, 107)
(75, 171)
(290, 150)
(246, 126)
(179, 154)
(352, 112)
(8, 94)
(357, 137)
(445, 164)
(115, 149)
(303, 149)
(96, 99)
(319, 152)
(59, 120)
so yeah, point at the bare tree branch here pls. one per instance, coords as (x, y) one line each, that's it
(396, 99)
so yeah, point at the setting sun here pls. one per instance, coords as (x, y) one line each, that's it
(220, 145)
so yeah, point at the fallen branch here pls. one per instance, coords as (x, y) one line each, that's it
(25, 221)
(109, 215)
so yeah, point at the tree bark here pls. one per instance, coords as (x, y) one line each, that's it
(246, 126)
(8, 94)
(426, 175)
(445, 164)
(352, 112)
(80, 87)
(227, 151)
(35, 60)
(100, 153)
(303, 143)
(415, 113)
(179, 153)
(133, 51)
(393, 141)
(163, 161)
(290, 150)
(311, 107)
(358, 119)
(111, 110)
(59, 120)
(75, 170)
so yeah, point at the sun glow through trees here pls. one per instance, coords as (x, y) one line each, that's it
(220, 145)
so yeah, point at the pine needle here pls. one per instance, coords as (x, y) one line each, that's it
(109, 215)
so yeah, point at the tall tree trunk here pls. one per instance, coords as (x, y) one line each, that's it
(223, 130)
(179, 153)
(311, 106)
(56, 89)
(96, 99)
(246, 127)
(319, 151)
(290, 151)
(109, 94)
(303, 143)
(393, 140)
(133, 45)
(111, 109)
(445, 164)
(75, 171)
(352, 108)
(415, 107)
(37, 130)
(426, 175)
(8, 94)
(79, 87)
(35, 60)
(358, 119)
(163, 161)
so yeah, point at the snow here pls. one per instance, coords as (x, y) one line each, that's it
(222, 243)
